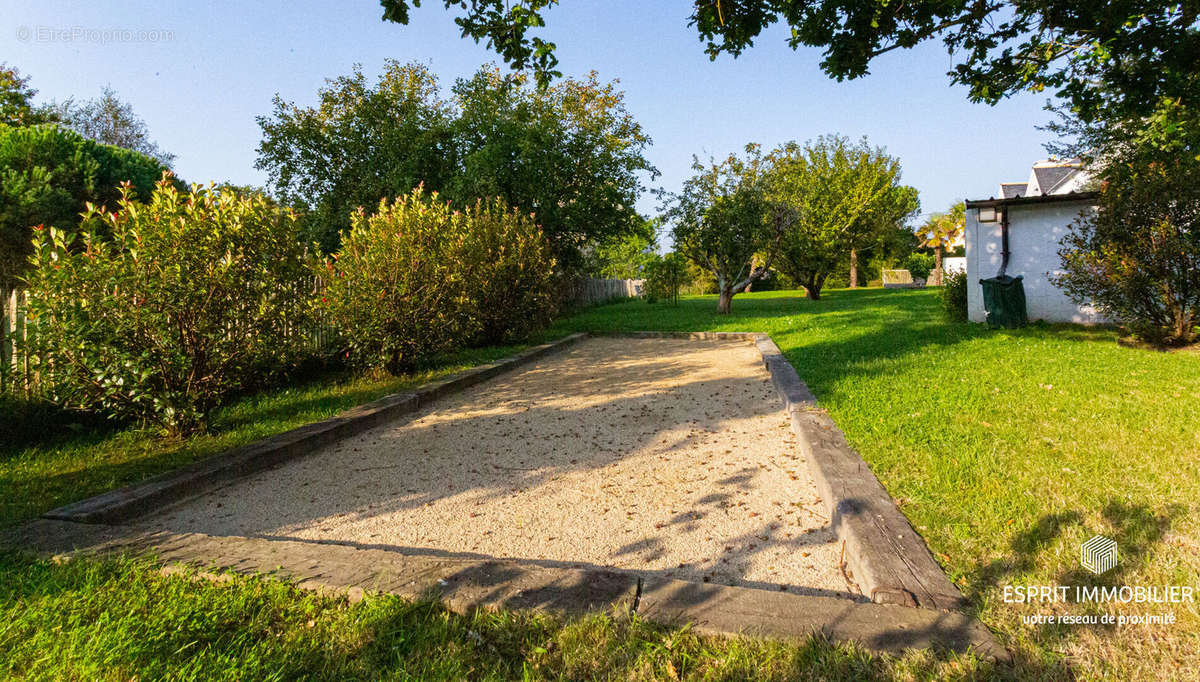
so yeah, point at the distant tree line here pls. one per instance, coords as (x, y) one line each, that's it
(808, 211)
(570, 154)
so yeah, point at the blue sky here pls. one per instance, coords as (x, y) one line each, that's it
(217, 65)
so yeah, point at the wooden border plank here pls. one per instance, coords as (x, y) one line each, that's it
(137, 499)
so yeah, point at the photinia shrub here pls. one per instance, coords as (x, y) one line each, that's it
(159, 310)
(512, 290)
(954, 295)
(418, 278)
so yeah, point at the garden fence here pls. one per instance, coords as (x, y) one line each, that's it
(14, 365)
(19, 371)
(594, 290)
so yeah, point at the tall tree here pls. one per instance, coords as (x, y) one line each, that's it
(571, 154)
(108, 120)
(16, 100)
(845, 196)
(724, 218)
(1117, 56)
(876, 229)
(939, 232)
(48, 176)
(1137, 256)
(360, 143)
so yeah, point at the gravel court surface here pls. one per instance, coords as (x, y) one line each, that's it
(663, 456)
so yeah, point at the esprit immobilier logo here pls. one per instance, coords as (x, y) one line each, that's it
(1099, 554)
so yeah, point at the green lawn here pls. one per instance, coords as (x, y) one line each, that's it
(122, 620)
(1005, 449)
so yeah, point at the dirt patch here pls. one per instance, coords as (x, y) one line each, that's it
(663, 456)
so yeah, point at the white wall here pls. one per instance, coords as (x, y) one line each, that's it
(1034, 233)
(955, 264)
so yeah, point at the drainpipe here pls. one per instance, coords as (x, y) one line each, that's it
(1004, 252)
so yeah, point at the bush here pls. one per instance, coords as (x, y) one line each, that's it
(665, 275)
(954, 295)
(189, 297)
(512, 290)
(1137, 258)
(418, 278)
(48, 175)
(919, 265)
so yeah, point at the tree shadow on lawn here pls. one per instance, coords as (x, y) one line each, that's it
(843, 330)
(163, 618)
(1137, 530)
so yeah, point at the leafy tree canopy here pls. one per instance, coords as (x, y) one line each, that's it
(626, 256)
(846, 196)
(49, 174)
(360, 143)
(16, 100)
(1137, 256)
(726, 222)
(1100, 56)
(109, 120)
(571, 154)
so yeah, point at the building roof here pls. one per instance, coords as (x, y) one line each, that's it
(1008, 190)
(1035, 199)
(1050, 178)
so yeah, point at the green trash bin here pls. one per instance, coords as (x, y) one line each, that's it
(1004, 302)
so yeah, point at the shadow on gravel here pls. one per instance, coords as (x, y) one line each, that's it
(522, 435)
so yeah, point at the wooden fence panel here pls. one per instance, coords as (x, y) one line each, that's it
(16, 367)
(594, 290)
(14, 363)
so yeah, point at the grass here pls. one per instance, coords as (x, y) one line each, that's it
(1006, 449)
(118, 619)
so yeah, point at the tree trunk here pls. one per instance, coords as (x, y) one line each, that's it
(937, 267)
(853, 268)
(813, 287)
(725, 302)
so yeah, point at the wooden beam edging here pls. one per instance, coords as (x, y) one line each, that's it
(464, 585)
(890, 561)
(139, 498)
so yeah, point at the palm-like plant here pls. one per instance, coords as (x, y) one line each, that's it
(939, 233)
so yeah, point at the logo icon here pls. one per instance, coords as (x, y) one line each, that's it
(1098, 554)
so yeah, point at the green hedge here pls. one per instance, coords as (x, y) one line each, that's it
(418, 278)
(158, 311)
(954, 295)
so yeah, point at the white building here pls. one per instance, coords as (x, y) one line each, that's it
(1036, 215)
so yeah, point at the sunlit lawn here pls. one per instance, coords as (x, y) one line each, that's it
(1006, 450)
